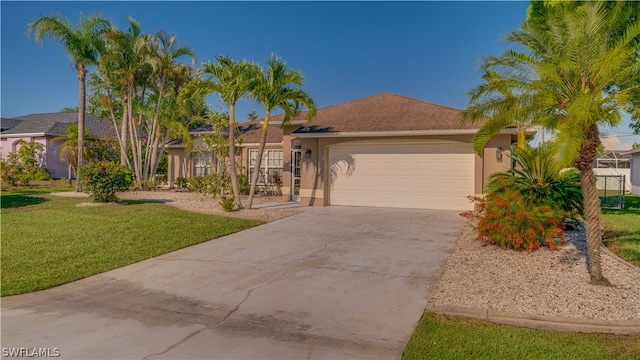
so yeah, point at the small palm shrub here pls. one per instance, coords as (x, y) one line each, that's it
(525, 206)
(541, 179)
(104, 179)
(227, 203)
(511, 221)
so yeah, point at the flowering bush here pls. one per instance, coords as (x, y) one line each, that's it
(104, 179)
(510, 221)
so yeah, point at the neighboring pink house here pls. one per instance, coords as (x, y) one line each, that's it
(43, 128)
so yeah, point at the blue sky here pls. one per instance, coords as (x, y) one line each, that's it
(347, 50)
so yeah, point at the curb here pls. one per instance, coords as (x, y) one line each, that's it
(616, 257)
(621, 327)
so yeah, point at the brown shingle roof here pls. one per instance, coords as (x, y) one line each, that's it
(252, 132)
(383, 112)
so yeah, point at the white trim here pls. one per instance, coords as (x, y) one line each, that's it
(183, 146)
(258, 144)
(631, 152)
(292, 122)
(24, 135)
(402, 133)
(386, 133)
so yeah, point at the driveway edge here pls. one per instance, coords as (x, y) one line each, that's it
(621, 327)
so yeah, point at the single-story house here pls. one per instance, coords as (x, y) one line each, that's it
(43, 128)
(635, 170)
(385, 150)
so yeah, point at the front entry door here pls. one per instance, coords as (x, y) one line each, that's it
(296, 157)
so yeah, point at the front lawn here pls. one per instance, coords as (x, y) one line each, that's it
(622, 230)
(443, 337)
(48, 240)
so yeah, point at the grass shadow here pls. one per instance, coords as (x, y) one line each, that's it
(19, 200)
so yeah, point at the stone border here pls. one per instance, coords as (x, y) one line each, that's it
(620, 327)
(616, 257)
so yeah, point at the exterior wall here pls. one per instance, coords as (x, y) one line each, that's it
(57, 168)
(180, 162)
(314, 188)
(489, 162)
(635, 174)
(51, 160)
(178, 165)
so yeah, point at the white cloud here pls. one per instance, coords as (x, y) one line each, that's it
(613, 142)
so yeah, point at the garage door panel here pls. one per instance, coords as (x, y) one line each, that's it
(434, 176)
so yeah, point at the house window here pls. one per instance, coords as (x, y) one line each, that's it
(271, 166)
(201, 164)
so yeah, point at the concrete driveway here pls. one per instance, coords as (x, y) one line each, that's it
(328, 283)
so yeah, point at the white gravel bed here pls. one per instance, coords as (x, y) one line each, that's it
(543, 282)
(193, 201)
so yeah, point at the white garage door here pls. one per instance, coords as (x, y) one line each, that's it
(402, 174)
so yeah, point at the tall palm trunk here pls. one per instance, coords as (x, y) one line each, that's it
(82, 73)
(232, 156)
(591, 203)
(256, 171)
(155, 151)
(124, 158)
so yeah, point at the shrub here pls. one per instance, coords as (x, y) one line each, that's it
(198, 183)
(182, 182)
(9, 172)
(540, 178)
(243, 184)
(24, 165)
(276, 180)
(511, 221)
(161, 179)
(40, 174)
(104, 179)
(227, 202)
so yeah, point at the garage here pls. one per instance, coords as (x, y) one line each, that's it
(403, 174)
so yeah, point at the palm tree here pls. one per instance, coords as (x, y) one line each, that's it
(69, 148)
(579, 65)
(230, 79)
(502, 102)
(122, 63)
(83, 44)
(165, 55)
(277, 87)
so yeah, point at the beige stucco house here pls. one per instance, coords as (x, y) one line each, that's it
(385, 150)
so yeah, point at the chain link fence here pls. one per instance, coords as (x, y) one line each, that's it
(611, 189)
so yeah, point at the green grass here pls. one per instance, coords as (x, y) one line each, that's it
(622, 235)
(48, 240)
(442, 337)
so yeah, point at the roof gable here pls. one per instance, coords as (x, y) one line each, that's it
(383, 112)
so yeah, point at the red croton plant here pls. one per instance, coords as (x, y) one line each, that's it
(508, 220)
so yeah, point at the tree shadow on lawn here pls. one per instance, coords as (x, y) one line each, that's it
(20, 200)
